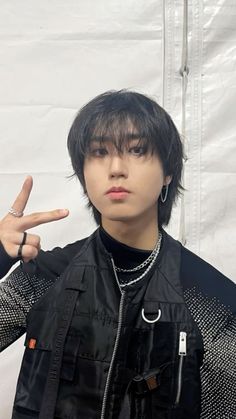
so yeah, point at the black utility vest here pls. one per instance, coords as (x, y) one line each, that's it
(94, 351)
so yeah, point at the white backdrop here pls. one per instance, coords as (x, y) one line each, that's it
(55, 56)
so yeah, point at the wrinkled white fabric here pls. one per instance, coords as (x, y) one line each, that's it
(57, 55)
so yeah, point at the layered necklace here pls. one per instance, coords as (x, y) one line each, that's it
(149, 262)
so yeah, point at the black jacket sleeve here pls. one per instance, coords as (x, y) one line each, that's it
(25, 285)
(211, 299)
(6, 261)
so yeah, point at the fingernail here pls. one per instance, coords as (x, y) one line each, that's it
(63, 211)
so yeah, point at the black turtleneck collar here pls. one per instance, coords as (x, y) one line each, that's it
(124, 256)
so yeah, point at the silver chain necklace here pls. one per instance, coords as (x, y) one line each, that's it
(155, 253)
(147, 261)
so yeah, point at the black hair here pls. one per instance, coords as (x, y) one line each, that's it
(111, 114)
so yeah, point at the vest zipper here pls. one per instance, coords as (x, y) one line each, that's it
(120, 319)
(182, 354)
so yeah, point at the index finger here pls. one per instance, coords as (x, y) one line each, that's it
(22, 198)
(37, 218)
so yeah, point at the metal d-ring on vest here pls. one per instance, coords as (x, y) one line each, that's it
(151, 321)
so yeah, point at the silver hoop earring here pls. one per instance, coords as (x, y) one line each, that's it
(163, 199)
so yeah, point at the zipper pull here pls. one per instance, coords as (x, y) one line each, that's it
(183, 343)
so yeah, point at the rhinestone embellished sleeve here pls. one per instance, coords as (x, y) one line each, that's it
(217, 324)
(18, 292)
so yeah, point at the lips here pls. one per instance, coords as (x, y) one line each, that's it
(117, 193)
(117, 189)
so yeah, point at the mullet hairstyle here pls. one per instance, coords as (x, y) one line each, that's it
(119, 116)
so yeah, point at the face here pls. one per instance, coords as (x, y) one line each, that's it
(123, 186)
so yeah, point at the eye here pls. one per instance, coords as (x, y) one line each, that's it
(98, 152)
(137, 150)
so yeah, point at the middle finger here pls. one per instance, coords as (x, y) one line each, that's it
(31, 239)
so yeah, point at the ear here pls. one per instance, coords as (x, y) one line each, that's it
(167, 180)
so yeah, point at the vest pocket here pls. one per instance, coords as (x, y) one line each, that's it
(152, 392)
(157, 391)
(35, 367)
(32, 379)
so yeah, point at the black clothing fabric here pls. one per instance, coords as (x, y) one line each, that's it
(209, 296)
(6, 261)
(110, 350)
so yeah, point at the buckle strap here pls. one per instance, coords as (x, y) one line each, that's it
(149, 380)
(144, 383)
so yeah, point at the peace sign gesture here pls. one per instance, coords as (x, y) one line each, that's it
(13, 226)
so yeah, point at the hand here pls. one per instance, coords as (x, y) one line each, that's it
(12, 228)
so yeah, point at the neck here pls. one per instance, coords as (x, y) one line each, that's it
(136, 234)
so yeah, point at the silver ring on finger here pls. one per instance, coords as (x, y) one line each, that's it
(15, 213)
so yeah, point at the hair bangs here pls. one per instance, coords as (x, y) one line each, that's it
(120, 128)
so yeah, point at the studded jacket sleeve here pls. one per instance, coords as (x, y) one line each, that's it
(18, 292)
(25, 285)
(211, 298)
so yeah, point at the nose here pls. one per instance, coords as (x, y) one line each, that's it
(118, 166)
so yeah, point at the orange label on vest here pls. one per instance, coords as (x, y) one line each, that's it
(32, 343)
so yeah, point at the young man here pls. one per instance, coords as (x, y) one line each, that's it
(132, 325)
